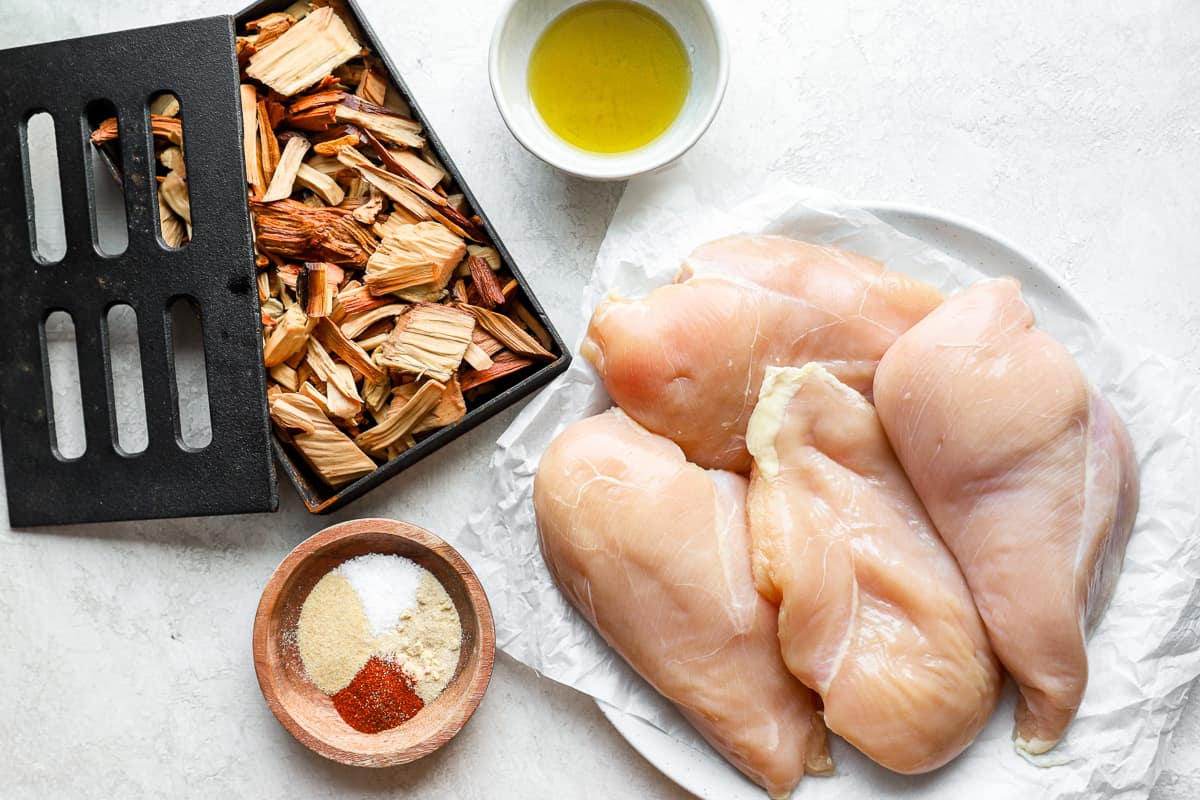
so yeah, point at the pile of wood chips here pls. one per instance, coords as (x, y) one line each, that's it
(385, 312)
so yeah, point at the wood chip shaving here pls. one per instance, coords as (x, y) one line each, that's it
(305, 54)
(508, 332)
(331, 453)
(290, 162)
(321, 184)
(503, 364)
(423, 254)
(428, 341)
(397, 422)
(355, 324)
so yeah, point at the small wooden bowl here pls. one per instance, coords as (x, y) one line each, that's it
(307, 712)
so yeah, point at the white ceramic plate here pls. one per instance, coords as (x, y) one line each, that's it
(704, 773)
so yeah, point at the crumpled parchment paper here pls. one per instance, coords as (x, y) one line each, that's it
(1145, 652)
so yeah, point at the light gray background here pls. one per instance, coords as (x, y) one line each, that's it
(1073, 128)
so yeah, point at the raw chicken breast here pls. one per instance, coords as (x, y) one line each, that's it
(654, 552)
(1029, 476)
(874, 613)
(687, 361)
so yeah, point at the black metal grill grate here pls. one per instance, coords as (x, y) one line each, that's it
(194, 60)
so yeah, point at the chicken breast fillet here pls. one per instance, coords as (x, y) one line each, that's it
(687, 361)
(1029, 476)
(874, 613)
(654, 552)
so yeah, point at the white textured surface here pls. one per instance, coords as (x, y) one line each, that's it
(1075, 129)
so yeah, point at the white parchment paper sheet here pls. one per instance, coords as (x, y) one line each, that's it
(1144, 654)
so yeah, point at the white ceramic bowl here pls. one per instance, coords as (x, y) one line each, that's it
(517, 30)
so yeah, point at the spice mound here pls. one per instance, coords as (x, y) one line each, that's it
(380, 636)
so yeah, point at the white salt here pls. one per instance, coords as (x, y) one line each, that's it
(386, 585)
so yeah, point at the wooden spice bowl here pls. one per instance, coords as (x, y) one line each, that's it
(307, 712)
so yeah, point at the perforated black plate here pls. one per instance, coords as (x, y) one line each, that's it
(195, 60)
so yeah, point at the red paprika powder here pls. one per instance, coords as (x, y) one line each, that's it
(380, 697)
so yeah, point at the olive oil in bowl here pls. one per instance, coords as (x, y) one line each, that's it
(609, 76)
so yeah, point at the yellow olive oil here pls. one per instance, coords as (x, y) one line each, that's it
(609, 76)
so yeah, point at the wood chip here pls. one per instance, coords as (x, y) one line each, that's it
(288, 337)
(485, 341)
(347, 136)
(305, 54)
(354, 325)
(485, 283)
(269, 28)
(489, 254)
(423, 255)
(290, 162)
(162, 127)
(295, 231)
(254, 173)
(477, 357)
(174, 191)
(167, 128)
(530, 320)
(172, 158)
(372, 87)
(174, 229)
(342, 405)
(289, 276)
(312, 392)
(263, 283)
(107, 131)
(320, 184)
(504, 363)
(315, 119)
(396, 103)
(285, 376)
(376, 393)
(387, 157)
(244, 47)
(430, 341)
(268, 145)
(397, 422)
(335, 341)
(387, 125)
(165, 105)
(372, 341)
(350, 73)
(450, 408)
(330, 166)
(384, 226)
(273, 307)
(359, 298)
(419, 169)
(507, 332)
(315, 289)
(299, 9)
(331, 453)
(369, 210)
(323, 366)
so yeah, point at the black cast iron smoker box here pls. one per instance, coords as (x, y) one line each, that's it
(234, 473)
